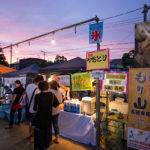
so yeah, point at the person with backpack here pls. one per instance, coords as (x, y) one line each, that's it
(31, 91)
(15, 106)
(44, 101)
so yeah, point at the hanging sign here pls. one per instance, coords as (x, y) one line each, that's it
(95, 33)
(97, 60)
(98, 74)
(81, 81)
(115, 82)
(139, 109)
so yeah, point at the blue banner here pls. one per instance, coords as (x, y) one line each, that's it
(95, 33)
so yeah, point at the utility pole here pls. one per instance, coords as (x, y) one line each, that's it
(145, 11)
(44, 54)
(10, 55)
(98, 130)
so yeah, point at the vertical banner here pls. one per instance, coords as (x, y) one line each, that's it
(139, 109)
(81, 81)
(95, 33)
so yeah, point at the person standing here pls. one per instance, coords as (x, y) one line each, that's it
(54, 88)
(43, 120)
(31, 91)
(14, 106)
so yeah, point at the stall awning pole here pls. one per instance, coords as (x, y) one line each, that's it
(98, 131)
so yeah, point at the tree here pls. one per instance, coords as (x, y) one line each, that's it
(128, 59)
(59, 59)
(3, 60)
(45, 63)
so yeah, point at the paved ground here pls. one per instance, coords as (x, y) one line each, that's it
(15, 139)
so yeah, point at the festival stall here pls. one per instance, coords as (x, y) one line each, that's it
(73, 123)
(26, 76)
(3, 70)
(77, 115)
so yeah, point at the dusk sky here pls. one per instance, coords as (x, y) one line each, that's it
(23, 19)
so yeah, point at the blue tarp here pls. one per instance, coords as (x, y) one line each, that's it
(33, 69)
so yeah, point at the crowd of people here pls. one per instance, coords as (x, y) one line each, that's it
(41, 100)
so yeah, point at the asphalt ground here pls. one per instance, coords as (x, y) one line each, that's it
(15, 139)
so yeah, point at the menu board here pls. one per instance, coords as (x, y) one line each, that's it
(115, 82)
(81, 81)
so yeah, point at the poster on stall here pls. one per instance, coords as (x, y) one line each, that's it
(139, 109)
(97, 60)
(64, 80)
(11, 81)
(115, 82)
(81, 81)
(142, 44)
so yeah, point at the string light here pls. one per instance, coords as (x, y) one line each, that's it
(16, 51)
(53, 41)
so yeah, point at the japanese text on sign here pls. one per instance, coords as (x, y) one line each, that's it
(64, 80)
(95, 33)
(81, 81)
(97, 60)
(116, 82)
(98, 74)
(138, 139)
(139, 99)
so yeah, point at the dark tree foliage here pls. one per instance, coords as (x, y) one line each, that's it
(3, 60)
(59, 59)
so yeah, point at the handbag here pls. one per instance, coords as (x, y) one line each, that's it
(28, 114)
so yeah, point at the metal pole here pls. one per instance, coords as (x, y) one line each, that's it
(98, 132)
(106, 104)
(10, 55)
(145, 11)
(44, 54)
(107, 110)
(54, 31)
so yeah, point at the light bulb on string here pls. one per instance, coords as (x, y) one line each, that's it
(53, 41)
(16, 51)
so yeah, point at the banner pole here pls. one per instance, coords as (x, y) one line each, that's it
(98, 132)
